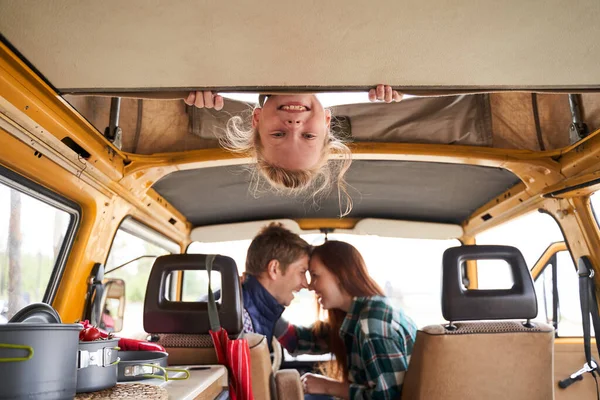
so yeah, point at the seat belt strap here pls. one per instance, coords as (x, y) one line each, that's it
(589, 305)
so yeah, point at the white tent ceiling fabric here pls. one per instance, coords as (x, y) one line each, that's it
(336, 43)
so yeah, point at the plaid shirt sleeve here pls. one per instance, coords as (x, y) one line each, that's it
(385, 356)
(302, 340)
(248, 326)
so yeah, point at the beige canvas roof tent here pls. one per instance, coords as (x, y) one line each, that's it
(160, 49)
(157, 44)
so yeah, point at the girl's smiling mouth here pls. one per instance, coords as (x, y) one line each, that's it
(294, 107)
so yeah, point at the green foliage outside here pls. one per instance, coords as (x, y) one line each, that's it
(35, 274)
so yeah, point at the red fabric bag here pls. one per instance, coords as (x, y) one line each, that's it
(233, 354)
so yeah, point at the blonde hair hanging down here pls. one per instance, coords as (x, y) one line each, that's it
(241, 137)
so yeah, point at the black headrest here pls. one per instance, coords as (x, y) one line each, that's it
(164, 316)
(460, 304)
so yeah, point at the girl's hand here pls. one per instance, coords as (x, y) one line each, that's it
(319, 384)
(384, 93)
(204, 99)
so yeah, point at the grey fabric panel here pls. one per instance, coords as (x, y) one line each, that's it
(432, 192)
(210, 124)
(464, 120)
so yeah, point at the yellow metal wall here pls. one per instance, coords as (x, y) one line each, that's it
(45, 119)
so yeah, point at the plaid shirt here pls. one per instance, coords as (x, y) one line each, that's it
(379, 341)
(248, 326)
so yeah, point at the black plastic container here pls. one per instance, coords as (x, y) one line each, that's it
(39, 360)
(97, 365)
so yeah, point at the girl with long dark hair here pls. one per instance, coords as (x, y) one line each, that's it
(371, 340)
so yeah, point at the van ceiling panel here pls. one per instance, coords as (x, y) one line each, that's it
(112, 44)
(405, 190)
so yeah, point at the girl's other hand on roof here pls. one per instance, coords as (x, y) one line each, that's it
(384, 93)
(204, 99)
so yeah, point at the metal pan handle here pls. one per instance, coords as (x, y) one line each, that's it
(140, 367)
(100, 357)
(164, 377)
(185, 371)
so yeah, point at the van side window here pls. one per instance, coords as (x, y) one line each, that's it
(532, 234)
(567, 321)
(35, 233)
(126, 247)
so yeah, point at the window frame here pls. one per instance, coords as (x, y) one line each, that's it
(144, 232)
(591, 208)
(136, 228)
(34, 190)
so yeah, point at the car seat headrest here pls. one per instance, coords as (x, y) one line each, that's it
(162, 315)
(461, 304)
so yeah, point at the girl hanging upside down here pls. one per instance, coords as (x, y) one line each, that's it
(290, 138)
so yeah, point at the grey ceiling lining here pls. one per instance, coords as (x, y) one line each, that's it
(406, 190)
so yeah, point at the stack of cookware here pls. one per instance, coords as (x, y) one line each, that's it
(42, 358)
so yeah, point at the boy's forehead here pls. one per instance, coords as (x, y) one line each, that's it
(301, 263)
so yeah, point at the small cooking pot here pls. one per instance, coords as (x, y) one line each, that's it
(37, 360)
(138, 365)
(97, 365)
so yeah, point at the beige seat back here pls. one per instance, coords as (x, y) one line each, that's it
(199, 350)
(505, 359)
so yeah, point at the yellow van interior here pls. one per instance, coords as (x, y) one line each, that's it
(103, 168)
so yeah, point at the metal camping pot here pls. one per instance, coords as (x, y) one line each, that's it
(97, 365)
(37, 360)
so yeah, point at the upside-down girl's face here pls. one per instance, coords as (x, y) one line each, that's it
(293, 130)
